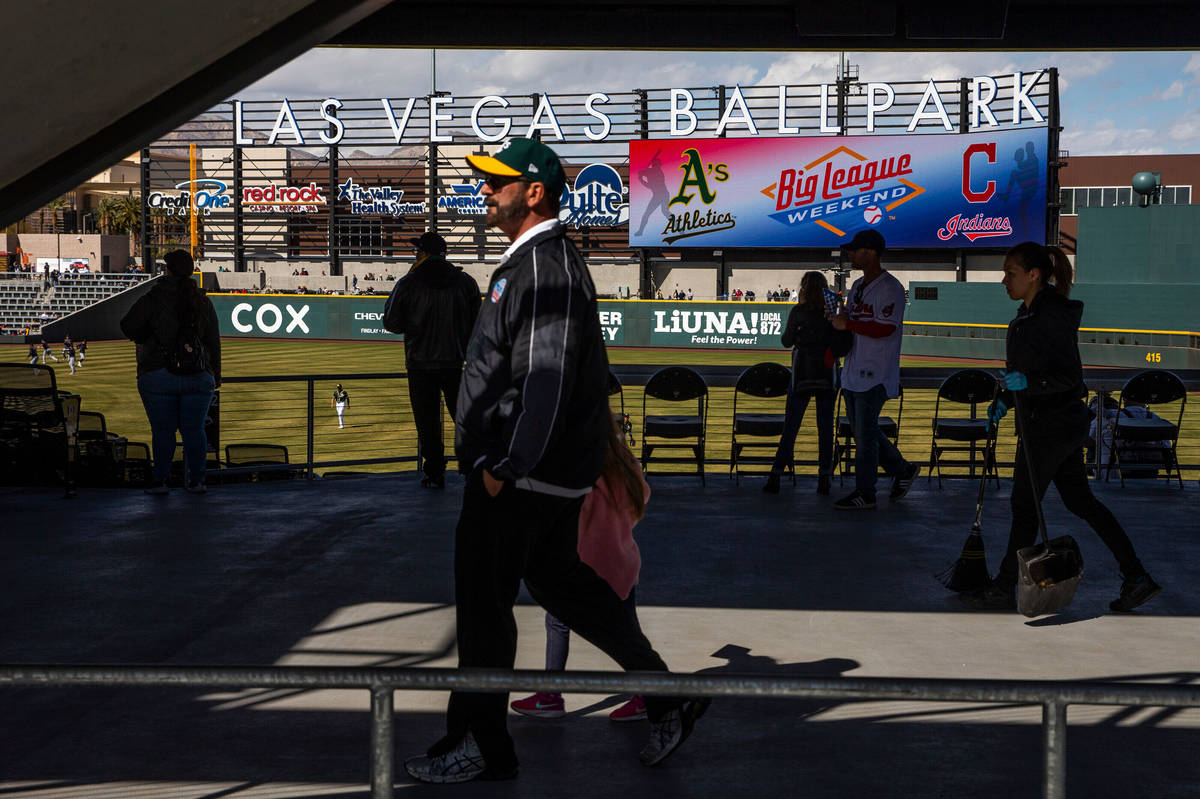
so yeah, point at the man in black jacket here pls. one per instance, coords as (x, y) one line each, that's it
(532, 428)
(434, 306)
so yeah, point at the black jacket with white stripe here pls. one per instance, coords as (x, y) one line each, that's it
(533, 403)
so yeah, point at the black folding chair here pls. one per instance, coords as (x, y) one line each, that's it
(1158, 438)
(675, 384)
(38, 427)
(762, 385)
(973, 388)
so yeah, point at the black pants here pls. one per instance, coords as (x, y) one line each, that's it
(797, 403)
(1061, 462)
(520, 534)
(426, 387)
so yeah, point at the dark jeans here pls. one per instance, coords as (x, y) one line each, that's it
(500, 541)
(426, 387)
(1061, 462)
(872, 448)
(797, 403)
(177, 402)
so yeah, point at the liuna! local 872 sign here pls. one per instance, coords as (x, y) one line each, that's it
(935, 190)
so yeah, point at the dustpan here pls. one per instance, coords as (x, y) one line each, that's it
(1048, 572)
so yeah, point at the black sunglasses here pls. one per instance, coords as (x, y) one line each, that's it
(498, 182)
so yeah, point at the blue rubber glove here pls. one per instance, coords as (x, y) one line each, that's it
(996, 412)
(1013, 381)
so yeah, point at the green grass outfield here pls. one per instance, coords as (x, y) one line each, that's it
(379, 421)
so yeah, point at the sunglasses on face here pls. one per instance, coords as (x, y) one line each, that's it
(498, 182)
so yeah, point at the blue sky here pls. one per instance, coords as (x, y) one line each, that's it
(1112, 102)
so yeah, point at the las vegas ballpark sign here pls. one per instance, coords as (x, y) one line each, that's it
(935, 190)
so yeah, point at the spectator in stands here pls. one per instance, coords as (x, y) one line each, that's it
(434, 307)
(1043, 365)
(815, 348)
(295, 272)
(872, 373)
(179, 365)
(689, 294)
(658, 294)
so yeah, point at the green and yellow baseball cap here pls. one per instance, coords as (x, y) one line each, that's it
(524, 158)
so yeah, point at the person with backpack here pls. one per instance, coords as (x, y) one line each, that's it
(178, 342)
(606, 521)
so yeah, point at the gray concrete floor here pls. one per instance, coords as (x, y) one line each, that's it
(358, 572)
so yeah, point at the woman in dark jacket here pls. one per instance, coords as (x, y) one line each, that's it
(813, 341)
(1044, 366)
(179, 365)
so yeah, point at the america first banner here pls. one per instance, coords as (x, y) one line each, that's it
(957, 190)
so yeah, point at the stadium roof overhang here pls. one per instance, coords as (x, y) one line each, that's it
(96, 81)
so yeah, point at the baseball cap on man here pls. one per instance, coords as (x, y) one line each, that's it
(524, 158)
(429, 242)
(866, 239)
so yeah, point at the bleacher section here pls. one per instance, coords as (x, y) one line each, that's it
(24, 298)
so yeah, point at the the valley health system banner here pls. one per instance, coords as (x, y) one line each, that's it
(956, 190)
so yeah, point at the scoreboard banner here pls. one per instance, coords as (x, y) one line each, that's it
(955, 190)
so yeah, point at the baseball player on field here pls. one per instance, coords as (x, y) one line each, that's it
(339, 402)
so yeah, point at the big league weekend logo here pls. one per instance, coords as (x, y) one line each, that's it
(934, 190)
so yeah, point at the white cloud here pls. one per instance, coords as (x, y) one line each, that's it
(1172, 92)
(1105, 138)
(1186, 128)
(1193, 65)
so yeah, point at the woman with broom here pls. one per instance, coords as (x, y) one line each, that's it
(1044, 364)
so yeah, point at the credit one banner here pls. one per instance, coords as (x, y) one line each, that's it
(957, 190)
(624, 323)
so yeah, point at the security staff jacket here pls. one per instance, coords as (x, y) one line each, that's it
(533, 403)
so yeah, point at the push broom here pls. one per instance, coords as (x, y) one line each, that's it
(970, 572)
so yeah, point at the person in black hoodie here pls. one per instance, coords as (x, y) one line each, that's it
(434, 306)
(178, 342)
(1043, 364)
(815, 345)
(532, 433)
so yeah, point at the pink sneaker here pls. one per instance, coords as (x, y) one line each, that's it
(633, 710)
(541, 706)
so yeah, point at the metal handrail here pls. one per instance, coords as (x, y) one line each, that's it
(1053, 696)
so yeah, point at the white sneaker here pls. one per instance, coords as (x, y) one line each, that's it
(196, 488)
(673, 730)
(463, 763)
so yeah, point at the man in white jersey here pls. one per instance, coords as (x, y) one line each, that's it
(874, 314)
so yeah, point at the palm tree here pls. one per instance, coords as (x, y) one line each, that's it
(125, 216)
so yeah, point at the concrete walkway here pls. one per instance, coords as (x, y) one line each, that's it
(358, 572)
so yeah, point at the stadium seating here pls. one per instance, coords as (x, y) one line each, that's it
(24, 298)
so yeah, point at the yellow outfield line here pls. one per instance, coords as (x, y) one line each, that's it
(1082, 329)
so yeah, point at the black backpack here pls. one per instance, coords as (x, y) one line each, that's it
(186, 355)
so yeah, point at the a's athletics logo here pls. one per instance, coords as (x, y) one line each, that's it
(837, 188)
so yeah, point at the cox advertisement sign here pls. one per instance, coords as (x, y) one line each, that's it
(935, 190)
